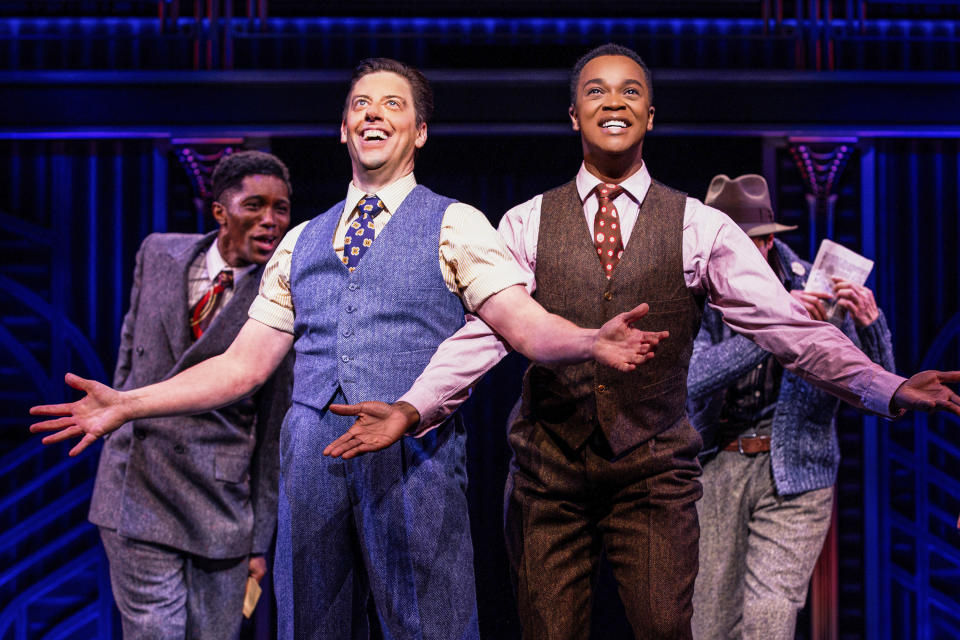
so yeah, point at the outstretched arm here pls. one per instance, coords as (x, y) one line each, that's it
(213, 383)
(550, 339)
(741, 285)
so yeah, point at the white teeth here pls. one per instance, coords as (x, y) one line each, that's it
(373, 134)
(614, 123)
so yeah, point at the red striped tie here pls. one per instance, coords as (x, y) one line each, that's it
(205, 309)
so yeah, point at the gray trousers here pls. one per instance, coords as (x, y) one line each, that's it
(757, 550)
(166, 594)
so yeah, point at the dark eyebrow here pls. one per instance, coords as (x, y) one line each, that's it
(361, 95)
(602, 81)
(391, 97)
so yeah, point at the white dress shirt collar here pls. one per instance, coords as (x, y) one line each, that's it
(391, 195)
(636, 185)
(216, 264)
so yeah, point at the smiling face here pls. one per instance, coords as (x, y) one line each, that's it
(612, 112)
(380, 130)
(253, 219)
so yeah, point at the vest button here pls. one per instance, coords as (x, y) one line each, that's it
(179, 448)
(353, 286)
(607, 295)
(601, 388)
(345, 358)
(139, 350)
(351, 308)
(347, 333)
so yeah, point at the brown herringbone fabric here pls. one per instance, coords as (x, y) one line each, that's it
(630, 408)
(564, 508)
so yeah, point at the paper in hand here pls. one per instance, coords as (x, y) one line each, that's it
(835, 260)
(251, 596)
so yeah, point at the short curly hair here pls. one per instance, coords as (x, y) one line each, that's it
(609, 49)
(232, 169)
(419, 86)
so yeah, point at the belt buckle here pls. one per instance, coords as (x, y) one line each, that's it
(740, 442)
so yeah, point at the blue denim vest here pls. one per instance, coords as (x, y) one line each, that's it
(370, 332)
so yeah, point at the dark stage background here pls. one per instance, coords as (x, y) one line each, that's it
(111, 112)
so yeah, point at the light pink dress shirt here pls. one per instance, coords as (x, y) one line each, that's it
(719, 261)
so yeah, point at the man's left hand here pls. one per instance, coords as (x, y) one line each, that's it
(927, 391)
(619, 345)
(257, 567)
(857, 300)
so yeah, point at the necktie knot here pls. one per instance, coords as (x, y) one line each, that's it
(224, 279)
(370, 206)
(607, 191)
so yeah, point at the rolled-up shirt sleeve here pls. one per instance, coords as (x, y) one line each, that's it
(723, 263)
(273, 305)
(476, 263)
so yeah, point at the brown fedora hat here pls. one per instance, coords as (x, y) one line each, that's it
(746, 200)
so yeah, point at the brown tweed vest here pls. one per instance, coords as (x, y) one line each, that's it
(630, 408)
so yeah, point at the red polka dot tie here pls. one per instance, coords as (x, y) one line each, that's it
(360, 233)
(606, 228)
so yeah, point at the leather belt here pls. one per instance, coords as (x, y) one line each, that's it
(750, 445)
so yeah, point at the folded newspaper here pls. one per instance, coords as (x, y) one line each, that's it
(835, 260)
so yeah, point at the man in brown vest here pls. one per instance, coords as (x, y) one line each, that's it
(606, 461)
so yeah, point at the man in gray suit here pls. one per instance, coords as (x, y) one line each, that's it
(187, 506)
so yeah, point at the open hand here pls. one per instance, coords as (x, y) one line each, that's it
(927, 391)
(378, 426)
(857, 300)
(811, 301)
(622, 347)
(94, 415)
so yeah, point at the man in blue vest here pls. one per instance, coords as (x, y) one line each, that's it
(365, 293)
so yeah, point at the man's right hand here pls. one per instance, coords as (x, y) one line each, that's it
(811, 301)
(96, 414)
(622, 347)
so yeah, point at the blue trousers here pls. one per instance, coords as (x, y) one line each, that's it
(391, 524)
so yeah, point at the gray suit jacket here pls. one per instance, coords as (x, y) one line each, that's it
(205, 484)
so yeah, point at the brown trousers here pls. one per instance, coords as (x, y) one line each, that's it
(564, 508)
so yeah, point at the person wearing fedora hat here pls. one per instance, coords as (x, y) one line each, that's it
(607, 462)
(771, 452)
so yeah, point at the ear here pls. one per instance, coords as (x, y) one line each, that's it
(574, 120)
(421, 136)
(343, 132)
(650, 119)
(219, 213)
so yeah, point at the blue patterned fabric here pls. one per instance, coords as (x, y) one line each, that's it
(360, 233)
(392, 523)
(804, 449)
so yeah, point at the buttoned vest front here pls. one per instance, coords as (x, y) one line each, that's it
(370, 332)
(571, 401)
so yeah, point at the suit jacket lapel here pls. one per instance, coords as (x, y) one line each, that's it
(225, 325)
(176, 322)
